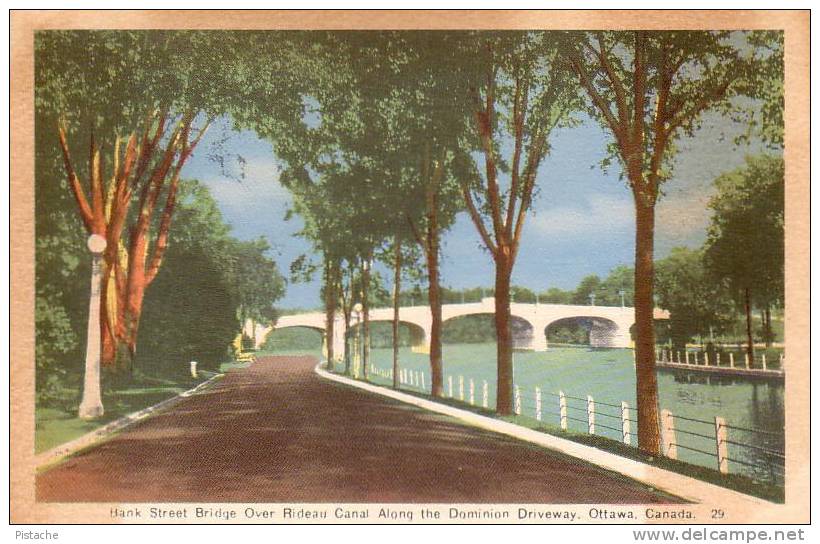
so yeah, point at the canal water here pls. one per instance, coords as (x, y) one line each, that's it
(752, 408)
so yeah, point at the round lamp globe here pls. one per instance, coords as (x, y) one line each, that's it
(96, 243)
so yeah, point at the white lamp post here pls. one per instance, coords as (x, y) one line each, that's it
(91, 406)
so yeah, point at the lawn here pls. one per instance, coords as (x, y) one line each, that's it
(58, 425)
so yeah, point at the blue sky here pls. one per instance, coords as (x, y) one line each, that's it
(582, 220)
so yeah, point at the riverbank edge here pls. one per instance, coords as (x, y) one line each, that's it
(93, 438)
(685, 487)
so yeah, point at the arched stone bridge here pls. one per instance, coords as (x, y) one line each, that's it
(610, 325)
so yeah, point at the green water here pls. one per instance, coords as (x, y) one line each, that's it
(609, 377)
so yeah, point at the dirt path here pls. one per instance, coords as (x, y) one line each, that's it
(276, 432)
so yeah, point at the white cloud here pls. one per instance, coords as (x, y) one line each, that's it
(598, 215)
(257, 191)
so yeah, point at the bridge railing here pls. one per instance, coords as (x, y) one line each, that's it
(713, 443)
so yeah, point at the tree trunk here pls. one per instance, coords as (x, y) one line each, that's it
(749, 337)
(365, 347)
(108, 355)
(645, 376)
(769, 333)
(431, 253)
(503, 332)
(330, 309)
(396, 293)
(347, 343)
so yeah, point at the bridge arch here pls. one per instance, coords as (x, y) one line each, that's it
(289, 337)
(410, 333)
(523, 329)
(599, 331)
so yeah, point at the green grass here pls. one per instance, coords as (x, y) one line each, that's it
(58, 425)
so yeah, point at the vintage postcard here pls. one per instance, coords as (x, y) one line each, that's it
(412, 267)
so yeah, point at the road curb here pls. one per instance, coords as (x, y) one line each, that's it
(58, 453)
(685, 487)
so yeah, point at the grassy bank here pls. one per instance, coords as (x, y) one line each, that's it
(58, 423)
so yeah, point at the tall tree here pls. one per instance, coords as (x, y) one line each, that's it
(519, 93)
(130, 100)
(745, 245)
(648, 88)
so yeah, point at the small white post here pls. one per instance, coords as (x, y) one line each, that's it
(765, 364)
(678, 354)
(731, 359)
(422, 381)
(696, 357)
(626, 424)
(485, 395)
(668, 434)
(517, 401)
(562, 410)
(591, 414)
(721, 437)
(193, 370)
(450, 386)
(461, 388)
(717, 359)
(706, 358)
(748, 361)
(538, 403)
(472, 392)
(686, 356)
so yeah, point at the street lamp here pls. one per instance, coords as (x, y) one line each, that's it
(621, 292)
(91, 406)
(592, 299)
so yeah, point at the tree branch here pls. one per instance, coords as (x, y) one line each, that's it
(76, 188)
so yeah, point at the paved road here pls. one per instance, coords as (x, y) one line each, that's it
(276, 432)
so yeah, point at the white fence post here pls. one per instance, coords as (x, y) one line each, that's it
(731, 359)
(748, 361)
(591, 414)
(461, 388)
(721, 437)
(765, 365)
(538, 403)
(472, 392)
(706, 358)
(717, 358)
(422, 381)
(450, 386)
(626, 424)
(686, 356)
(517, 408)
(668, 434)
(782, 358)
(485, 395)
(562, 410)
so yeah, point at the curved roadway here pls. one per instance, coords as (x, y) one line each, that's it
(277, 432)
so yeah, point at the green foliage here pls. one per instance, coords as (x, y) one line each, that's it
(745, 244)
(293, 338)
(55, 348)
(696, 303)
(208, 285)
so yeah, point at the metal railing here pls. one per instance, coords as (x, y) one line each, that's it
(726, 447)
